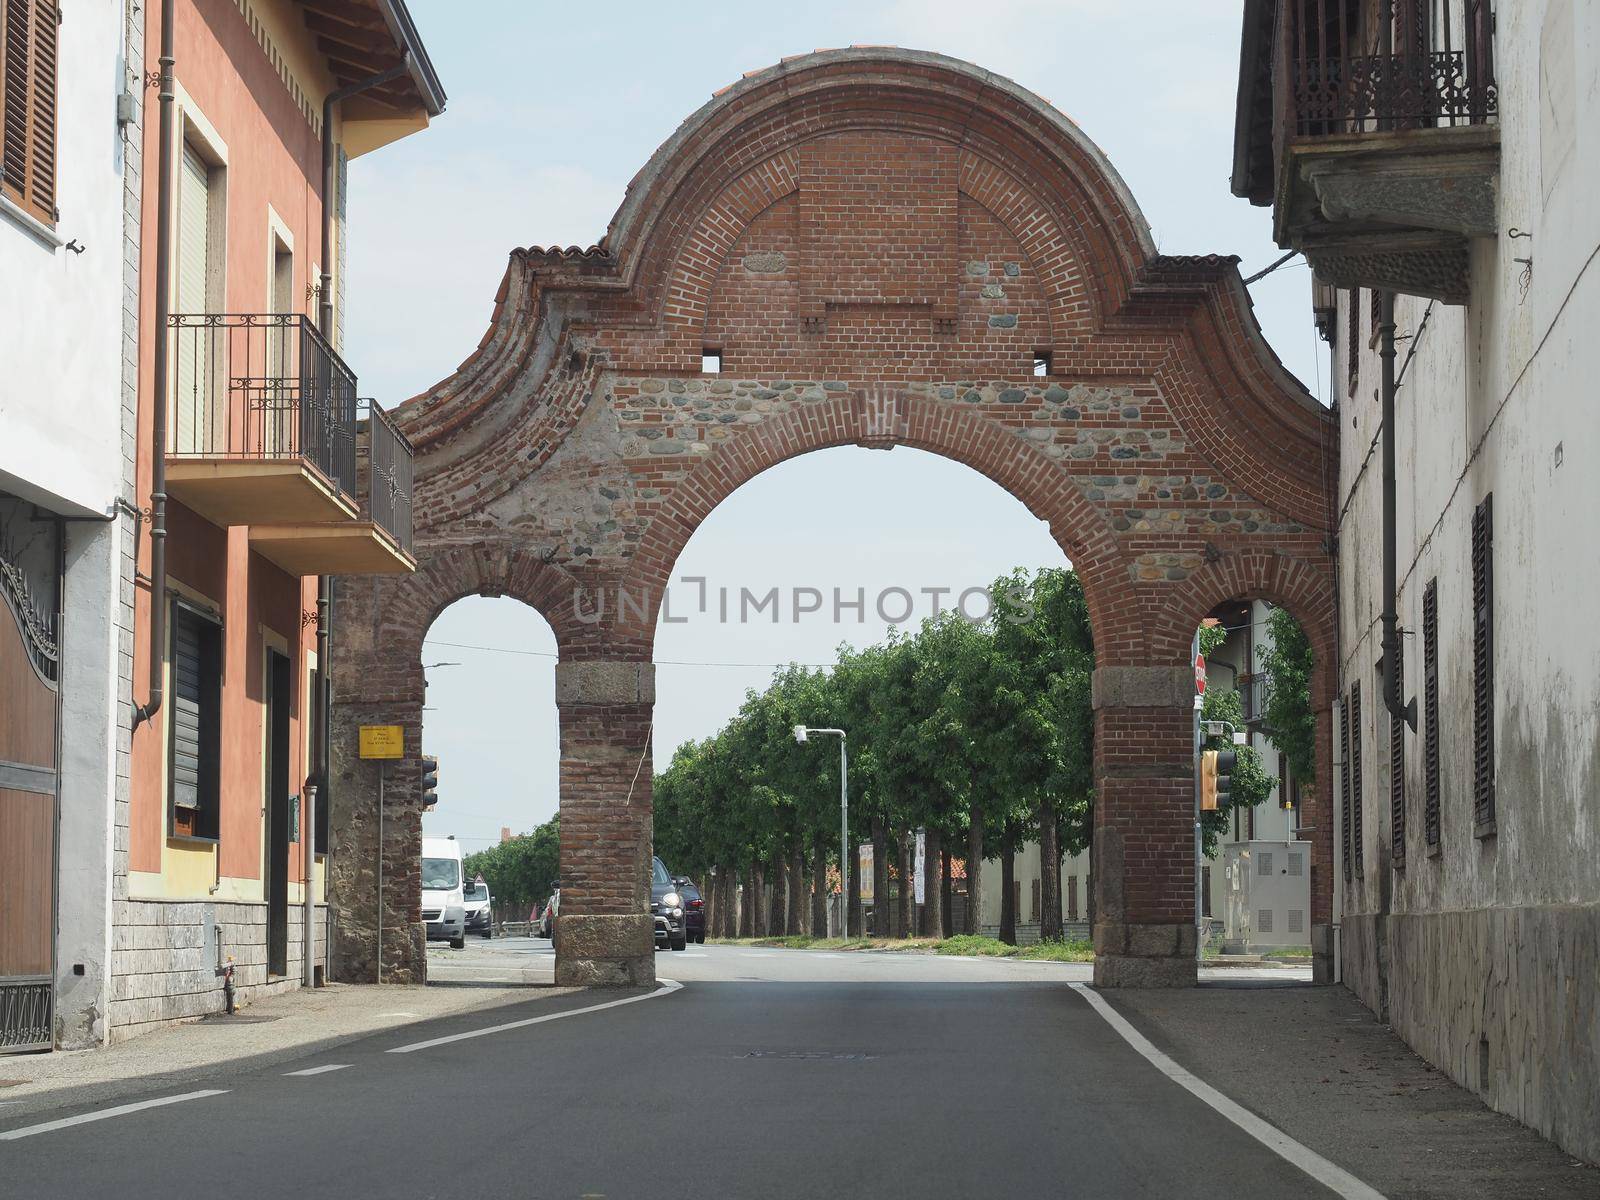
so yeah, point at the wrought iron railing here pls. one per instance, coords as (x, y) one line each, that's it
(1369, 93)
(261, 385)
(386, 500)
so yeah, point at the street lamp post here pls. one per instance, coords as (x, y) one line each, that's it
(801, 733)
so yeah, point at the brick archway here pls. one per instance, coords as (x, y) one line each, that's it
(879, 244)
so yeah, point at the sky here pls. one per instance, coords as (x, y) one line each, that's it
(551, 111)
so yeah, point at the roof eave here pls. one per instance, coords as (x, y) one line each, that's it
(418, 64)
(1252, 46)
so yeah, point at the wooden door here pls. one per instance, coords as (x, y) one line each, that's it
(29, 712)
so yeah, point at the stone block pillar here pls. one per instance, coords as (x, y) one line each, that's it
(378, 625)
(605, 935)
(1144, 930)
(354, 831)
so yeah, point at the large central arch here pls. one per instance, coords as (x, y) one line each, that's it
(879, 244)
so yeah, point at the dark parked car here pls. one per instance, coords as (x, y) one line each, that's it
(666, 906)
(694, 909)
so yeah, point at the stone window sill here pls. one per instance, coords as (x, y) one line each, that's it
(31, 225)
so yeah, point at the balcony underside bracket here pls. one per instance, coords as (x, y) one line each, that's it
(1454, 194)
(1391, 210)
(1434, 266)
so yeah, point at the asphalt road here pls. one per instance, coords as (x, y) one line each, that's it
(767, 1074)
(531, 960)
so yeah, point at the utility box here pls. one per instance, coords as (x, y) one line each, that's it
(1267, 896)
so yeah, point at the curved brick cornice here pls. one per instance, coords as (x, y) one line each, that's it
(879, 87)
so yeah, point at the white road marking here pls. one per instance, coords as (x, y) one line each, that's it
(1335, 1178)
(668, 986)
(12, 1135)
(322, 1070)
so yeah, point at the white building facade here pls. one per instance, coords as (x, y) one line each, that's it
(1026, 891)
(68, 343)
(1468, 841)
(1257, 886)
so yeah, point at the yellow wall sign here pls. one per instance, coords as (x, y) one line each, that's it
(383, 741)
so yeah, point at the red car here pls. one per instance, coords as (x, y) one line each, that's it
(694, 909)
(543, 925)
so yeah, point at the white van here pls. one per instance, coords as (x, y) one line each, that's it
(480, 907)
(443, 909)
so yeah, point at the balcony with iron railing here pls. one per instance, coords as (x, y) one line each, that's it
(265, 430)
(1387, 161)
(1253, 698)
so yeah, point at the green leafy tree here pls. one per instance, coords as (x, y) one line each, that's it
(521, 871)
(1290, 722)
(1251, 785)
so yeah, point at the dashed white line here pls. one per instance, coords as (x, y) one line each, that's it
(120, 1110)
(1335, 1178)
(322, 1070)
(668, 986)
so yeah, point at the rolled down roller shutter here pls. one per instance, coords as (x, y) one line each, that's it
(196, 722)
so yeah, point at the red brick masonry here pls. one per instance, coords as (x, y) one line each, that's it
(880, 244)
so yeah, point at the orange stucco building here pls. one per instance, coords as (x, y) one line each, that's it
(274, 473)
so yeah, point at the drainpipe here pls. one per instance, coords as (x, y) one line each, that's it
(319, 765)
(158, 419)
(1392, 700)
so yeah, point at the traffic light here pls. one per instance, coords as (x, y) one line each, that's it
(430, 781)
(1216, 777)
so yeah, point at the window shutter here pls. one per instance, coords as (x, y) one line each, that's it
(42, 136)
(18, 36)
(1344, 788)
(1430, 712)
(196, 745)
(1352, 338)
(1356, 815)
(1035, 900)
(1397, 769)
(194, 266)
(28, 107)
(187, 698)
(1483, 812)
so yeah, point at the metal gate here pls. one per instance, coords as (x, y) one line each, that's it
(29, 753)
